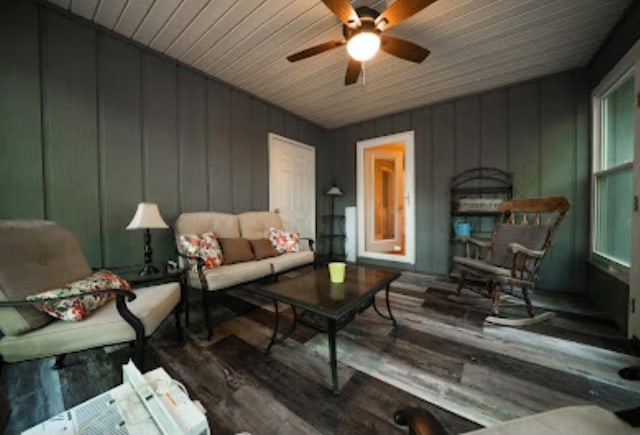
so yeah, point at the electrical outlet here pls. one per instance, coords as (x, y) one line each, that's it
(633, 305)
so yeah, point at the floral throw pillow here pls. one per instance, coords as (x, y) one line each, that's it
(77, 308)
(284, 241)
(205, 246)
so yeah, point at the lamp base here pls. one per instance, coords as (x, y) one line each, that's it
(149, 269)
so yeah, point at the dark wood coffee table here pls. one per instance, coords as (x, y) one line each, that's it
(328, 307)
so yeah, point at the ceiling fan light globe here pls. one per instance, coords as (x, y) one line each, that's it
(363, 46)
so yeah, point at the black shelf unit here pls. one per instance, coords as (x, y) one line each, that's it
(477, 183)
(332, 237)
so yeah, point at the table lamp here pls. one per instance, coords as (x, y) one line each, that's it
(147, 217)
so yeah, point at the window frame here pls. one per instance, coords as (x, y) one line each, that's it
(621, 72)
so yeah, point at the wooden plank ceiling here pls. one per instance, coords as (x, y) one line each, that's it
(475, 45)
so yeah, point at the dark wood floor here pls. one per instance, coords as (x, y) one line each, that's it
(442, 356)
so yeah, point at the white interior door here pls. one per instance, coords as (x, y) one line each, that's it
(405, 208)
(292, 184)
(634, 282)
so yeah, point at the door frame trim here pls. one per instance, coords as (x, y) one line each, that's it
(408, 138)
(271, 137)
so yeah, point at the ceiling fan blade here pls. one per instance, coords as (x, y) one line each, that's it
(403, 49)
(399, 11)
(312, 51)
(344, 11)
(353, 72)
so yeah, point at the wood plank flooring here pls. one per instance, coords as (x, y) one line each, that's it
(441, 356)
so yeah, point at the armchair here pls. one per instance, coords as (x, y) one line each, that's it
(512, 258)
(38, 255)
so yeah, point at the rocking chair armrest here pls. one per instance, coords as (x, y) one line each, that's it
(420, 421)
(126, 294)
(517, 248)
(477, 242)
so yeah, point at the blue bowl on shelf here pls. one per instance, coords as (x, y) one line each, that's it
(462, 229)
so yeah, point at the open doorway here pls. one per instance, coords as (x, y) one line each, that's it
(385, 208)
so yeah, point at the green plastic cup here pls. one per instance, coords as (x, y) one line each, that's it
(336, 272)
(336, 292)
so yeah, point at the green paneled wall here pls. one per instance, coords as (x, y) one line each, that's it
(22, 187)
(618, 43)
(91, 124)
(71, 154)
(120, 144)
(538, 130)
(160, 143)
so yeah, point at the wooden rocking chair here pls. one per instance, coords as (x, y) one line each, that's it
(513, 256)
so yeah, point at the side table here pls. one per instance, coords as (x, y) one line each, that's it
(333, 235)
(131, 274)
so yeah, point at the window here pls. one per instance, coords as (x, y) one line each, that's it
(613, 172)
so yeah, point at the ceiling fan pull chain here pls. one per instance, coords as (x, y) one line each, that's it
(364, 74)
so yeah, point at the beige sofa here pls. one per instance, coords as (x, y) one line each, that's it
(249, 225)
(38, 255)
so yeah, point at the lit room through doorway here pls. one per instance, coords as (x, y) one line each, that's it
(385, 183)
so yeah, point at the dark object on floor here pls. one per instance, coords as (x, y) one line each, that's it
(419, 421)
(512, 258)
(5, 409)
(584, 420)
(630, 373)
(631, 416)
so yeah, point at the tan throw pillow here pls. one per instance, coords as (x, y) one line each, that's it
(235, 250)
(262, 248)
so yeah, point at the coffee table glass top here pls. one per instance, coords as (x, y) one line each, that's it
(313, 291)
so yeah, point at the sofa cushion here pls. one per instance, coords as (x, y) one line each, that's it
(236, 250)
(205, 246)
(291, 260)
(104, 327)
(230, 275)
(85, 302)
(256, 224)
(35, 255)
(284, 241)
(262, 248)
(221, 224)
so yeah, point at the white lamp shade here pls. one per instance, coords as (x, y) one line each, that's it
(147, 216)
(334, 191)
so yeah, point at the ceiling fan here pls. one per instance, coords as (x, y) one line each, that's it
(362, 33)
